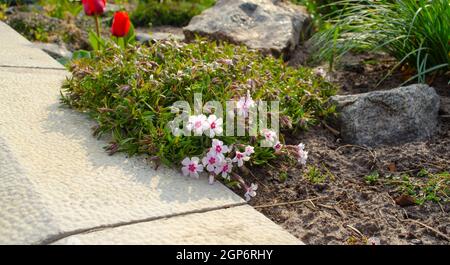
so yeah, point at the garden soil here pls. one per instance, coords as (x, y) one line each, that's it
(344, 208)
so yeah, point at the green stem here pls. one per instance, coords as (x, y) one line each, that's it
(121, 42)
(97, 25)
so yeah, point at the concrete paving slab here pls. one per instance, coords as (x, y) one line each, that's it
(58, 185)
(237, 225)
(56, 178)
(16, 51)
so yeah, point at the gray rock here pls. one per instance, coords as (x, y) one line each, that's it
(157, 36)
(271, 26)
(10, 10)
(112, 8)
(445, 105)
(54, 50)
(393, 116)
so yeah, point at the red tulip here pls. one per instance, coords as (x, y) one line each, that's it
(94, 7)
(121, 24)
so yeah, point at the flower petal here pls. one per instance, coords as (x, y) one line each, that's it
(186, 161)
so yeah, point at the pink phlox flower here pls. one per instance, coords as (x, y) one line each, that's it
(214, 126)
(225, 168)
(218, 147)
(277, 146)
(212, 160)
(245, 105)
(302, 154)
(240, 157)
(191, 167)
(269, 135)
(197, 124)
(249, 150)
(250, 191)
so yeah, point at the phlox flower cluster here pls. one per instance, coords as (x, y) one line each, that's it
(220, 159)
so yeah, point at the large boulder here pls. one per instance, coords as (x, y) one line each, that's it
(272, 26)
(157, 36)
(388, 117)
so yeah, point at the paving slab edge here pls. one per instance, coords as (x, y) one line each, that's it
(53, 239)
(32, 67)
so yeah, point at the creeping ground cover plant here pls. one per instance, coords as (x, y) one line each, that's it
(141, 97)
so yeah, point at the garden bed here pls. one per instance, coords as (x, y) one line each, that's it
(348, 193)
(355, 191)
(343, 193)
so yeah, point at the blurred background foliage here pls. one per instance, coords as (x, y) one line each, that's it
(415, 32)
(168, 12)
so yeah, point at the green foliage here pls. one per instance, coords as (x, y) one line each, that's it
(423, 173)
(40, 27)
(318, 9)
(372, 178)
(80, 54)
(3, 8)
(96, 41)
(129, 39)
(283, 176)
(314, 175)
(32, 27)
(60, 8)
(425, 186)
(130, 93)
(416, 32)
(168, 12)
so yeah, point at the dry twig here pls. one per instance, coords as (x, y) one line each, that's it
(257, 180)
(430, 228)
(326, 206)
(356, 231)
(340, 212)
(331, 129)
(372, 153)
(334, 208)
(288, 203)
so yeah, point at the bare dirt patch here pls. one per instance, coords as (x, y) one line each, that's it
(340, 206)
(350, 211)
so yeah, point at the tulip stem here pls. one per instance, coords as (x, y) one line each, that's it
(97, 26)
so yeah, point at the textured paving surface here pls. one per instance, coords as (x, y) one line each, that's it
(57, 181)
(236, 225)
(17, 51)
(65, 168)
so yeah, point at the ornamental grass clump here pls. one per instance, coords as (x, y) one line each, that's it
(415, 32)
(132, 94)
